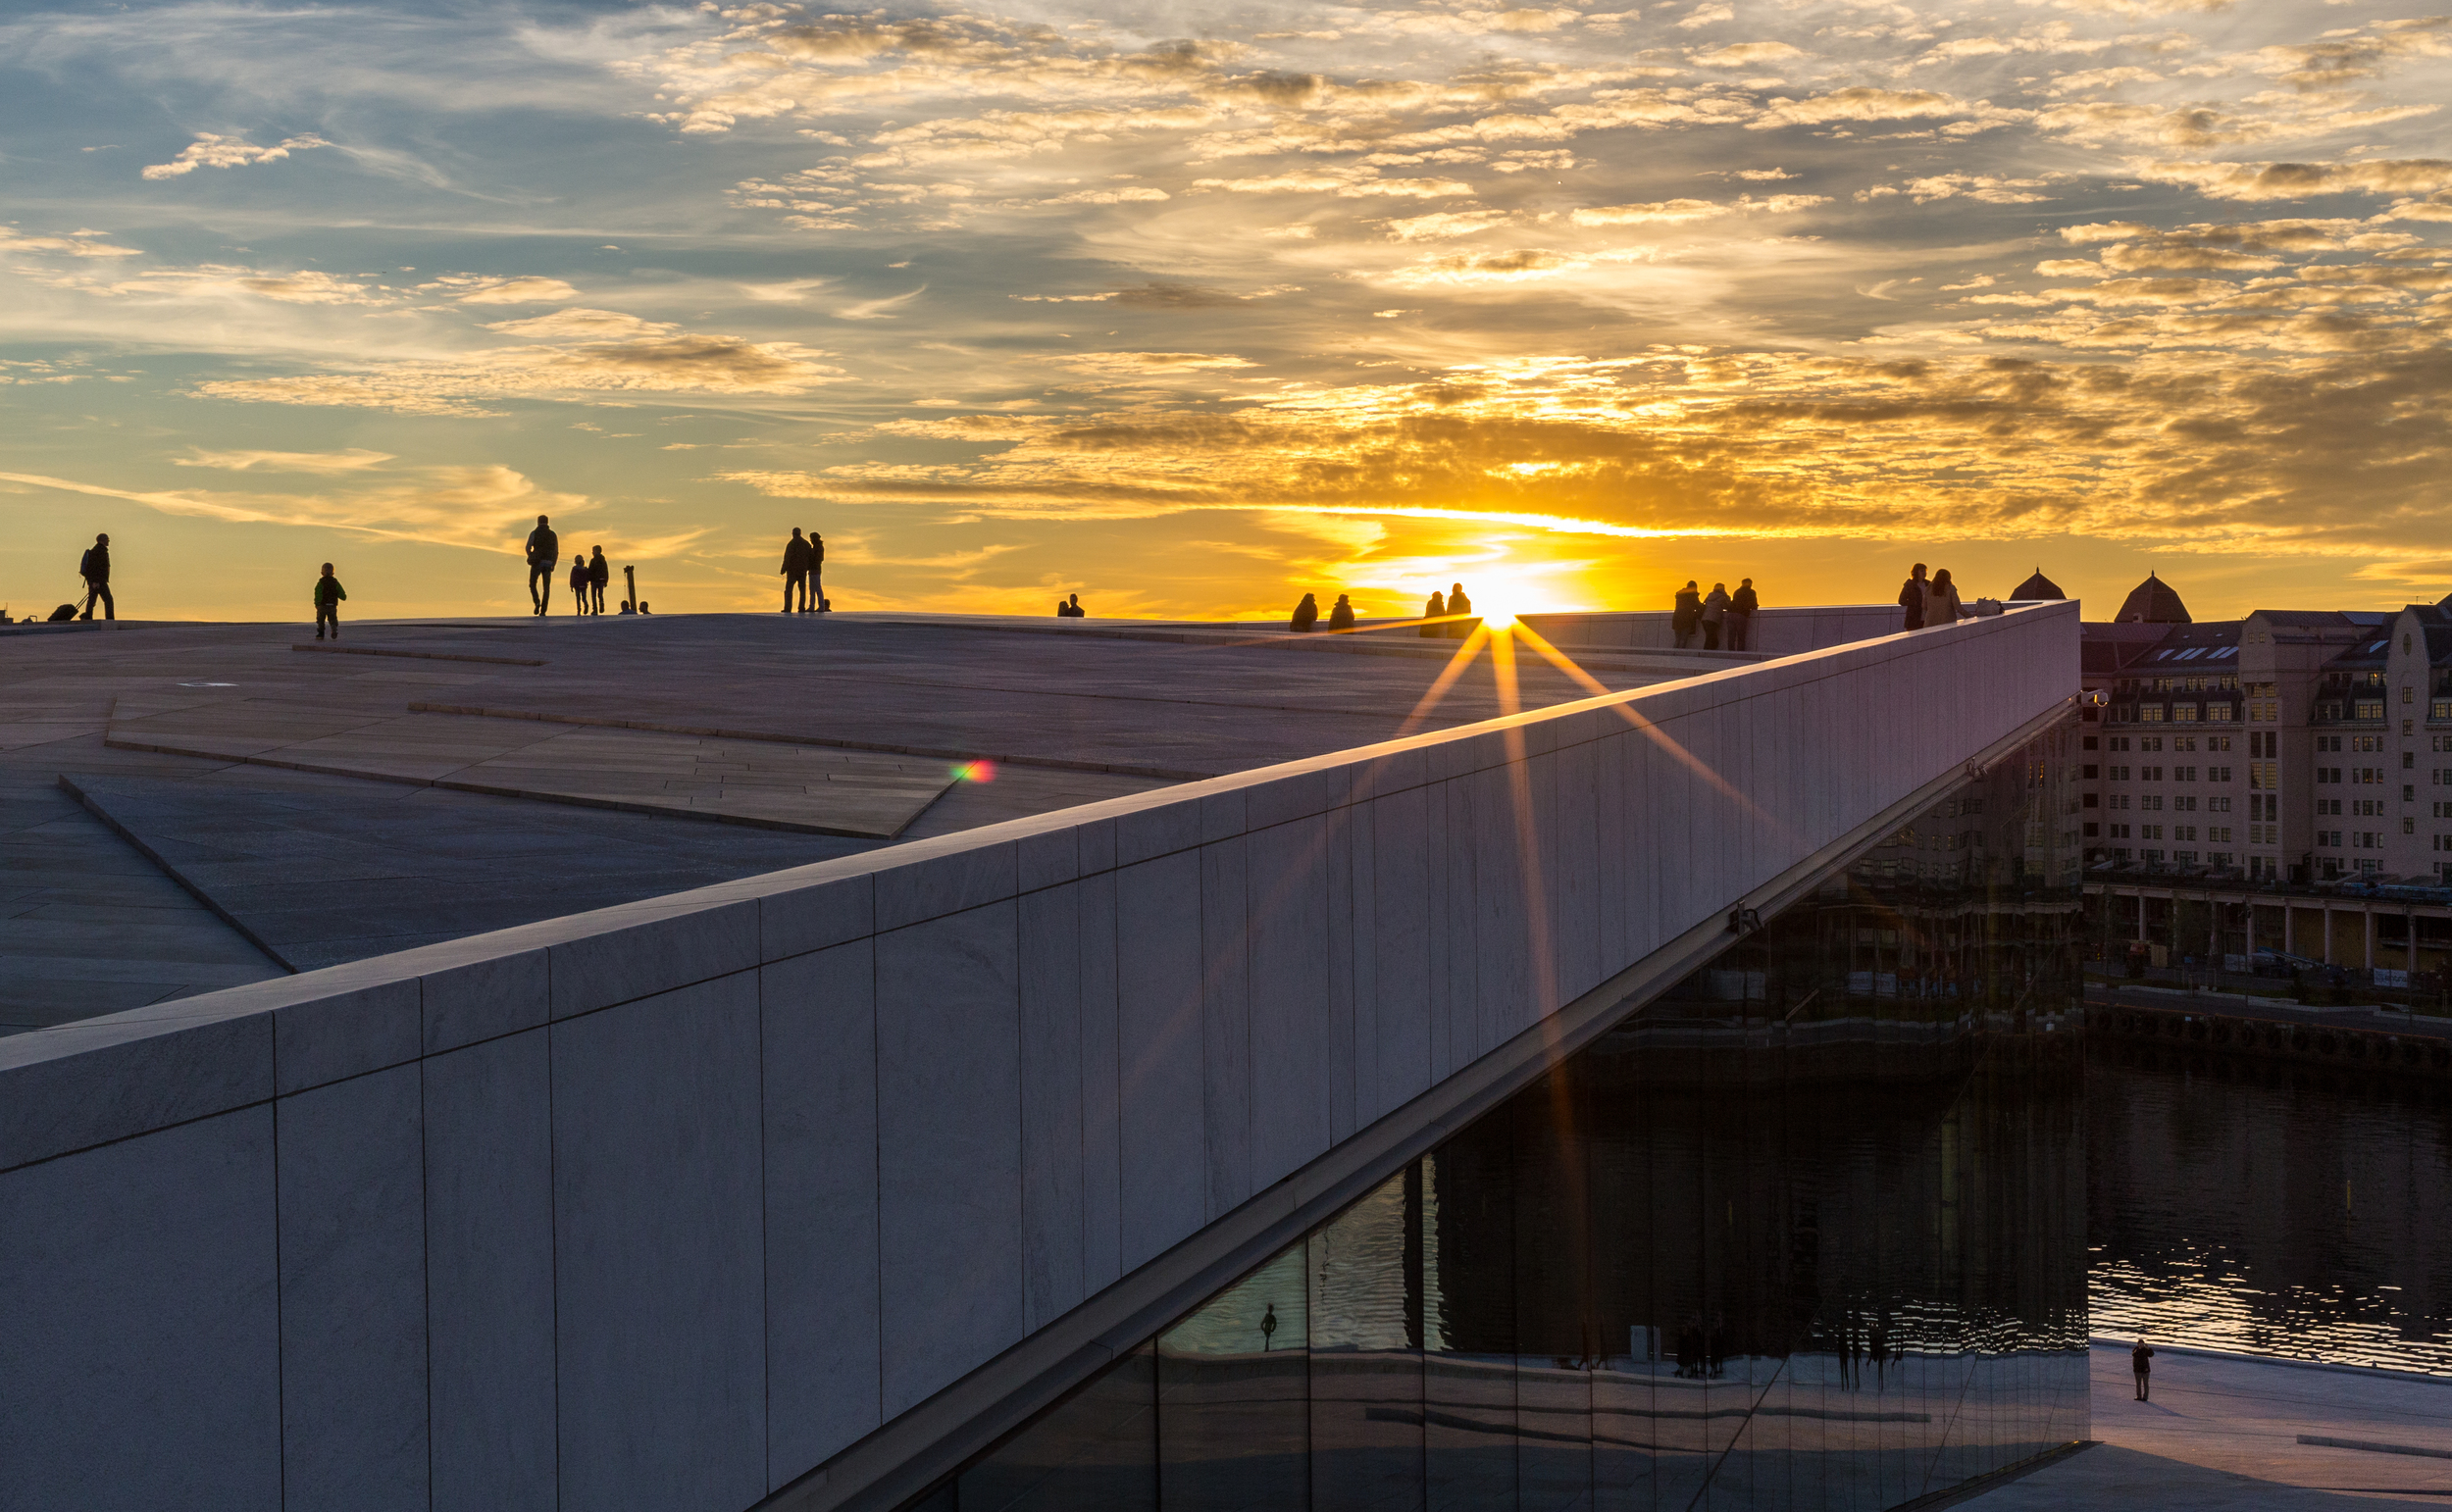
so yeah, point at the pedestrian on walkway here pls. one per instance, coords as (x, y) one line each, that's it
(1685, 620)
(1941, 601)
(796, 574)
(1739, 632)
(599, 573)
(1911, 599)
(327, 596)
(2141, 1364)
(579, 584)
(544, 554)
(95, 568)
(1715, 614)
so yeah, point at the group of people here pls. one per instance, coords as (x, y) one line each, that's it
(1719, 621)
(1307, 614)
(1447, 615)
(805, 572)
(1926, 602)
(588, 579)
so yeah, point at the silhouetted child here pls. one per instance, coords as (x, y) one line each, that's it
(579, 582)
(327, 596)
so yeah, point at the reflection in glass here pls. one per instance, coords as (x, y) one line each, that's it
(1806, 1229)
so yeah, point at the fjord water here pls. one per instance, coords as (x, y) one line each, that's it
(2260, 1206)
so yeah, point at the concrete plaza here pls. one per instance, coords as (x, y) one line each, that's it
(2225, 1431)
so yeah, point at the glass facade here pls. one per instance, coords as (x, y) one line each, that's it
(1807, 1231)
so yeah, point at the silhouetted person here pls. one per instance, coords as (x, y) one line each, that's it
(1737, 633)
(1877, 1348)
(1434, 608)
(95, 568)
(2142, 1364)
(815, 602)
(544, 554)
(1341, 614)
(579, 584)
(1941, 601)
(1459, 604)
(327, 596)
(1715, 614)
(1911, 599)
(1305, 614)
(1071, 609)
(1685, 620)
(795, 573)
(599, 573)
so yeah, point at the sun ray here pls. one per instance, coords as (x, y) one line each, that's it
(1448, 674)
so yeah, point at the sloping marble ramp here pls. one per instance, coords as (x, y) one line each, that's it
(321, 870)
(810, 788)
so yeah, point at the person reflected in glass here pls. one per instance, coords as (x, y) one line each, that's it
(2142, 1364)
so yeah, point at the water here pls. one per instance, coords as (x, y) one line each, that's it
(2276, 1209)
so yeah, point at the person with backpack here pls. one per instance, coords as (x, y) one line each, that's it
(95, 568)
(327, 596)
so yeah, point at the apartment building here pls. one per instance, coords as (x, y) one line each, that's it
(2293, 744)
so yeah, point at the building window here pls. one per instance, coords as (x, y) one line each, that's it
(2184, 805)
(2440, 709)
(2218, 713)
(2218, 774)
(2183, 774)
(2408, 826)
(2149, 801)
(2183, 858)
(2183, 831)
(2367, 708)
(2219, 834)
(2119, 853)
(2150, 714)
(2218, 805)
(2328, 805)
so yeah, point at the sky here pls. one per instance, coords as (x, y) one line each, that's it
(1192, 308)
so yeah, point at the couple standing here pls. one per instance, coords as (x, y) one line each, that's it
(1928, 603)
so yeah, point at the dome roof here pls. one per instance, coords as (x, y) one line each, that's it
(2037, 586)
(2152, 602)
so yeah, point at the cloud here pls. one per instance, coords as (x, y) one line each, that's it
(1150, 364)
(481, 507)
(209, 150)
(1443, 224)
(1677, 212)
(579, 324)
(356, 459)
(2302, 180)
(1866, 103)
(533, 288)
(80, 244)
(1488, 268)
(1746, 55)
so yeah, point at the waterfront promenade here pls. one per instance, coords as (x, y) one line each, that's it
(2226, 1430)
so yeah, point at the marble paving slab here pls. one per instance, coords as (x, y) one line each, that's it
(813, 789)
(320, 870)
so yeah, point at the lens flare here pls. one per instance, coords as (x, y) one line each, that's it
(980, 770)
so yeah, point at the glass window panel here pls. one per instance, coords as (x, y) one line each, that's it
(1366, 1358)
(1095, 1452)
(1234, 1414)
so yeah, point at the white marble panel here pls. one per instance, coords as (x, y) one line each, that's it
(640, 949)
(948, 1143)
(495, 993)
(140, 1357)
(1101, 1086)
(792, 920)
(347, 1033)
(818, 1020)
(1226, 1025)
(1571, 785)
(1161, 829)
(658, 1252)
(1455, 964)
(489, 1274)
(1341, 1049)
(1052, 1104)
(1504, 905)
(963, 877)
(352, 1160)
(1163, 1153)
(86, 1084)
(1287, 946)
(1048, 858)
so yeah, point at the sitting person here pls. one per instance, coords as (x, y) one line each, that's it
(1305, 614)
(1071, 609)
(1435, 609)
(1341, 614)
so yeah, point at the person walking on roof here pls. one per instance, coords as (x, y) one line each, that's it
(1911, 599)
(544, 554)
(579, 584)
(2142, 1364)
(95, 568)
(327, 596)
(795, 573)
